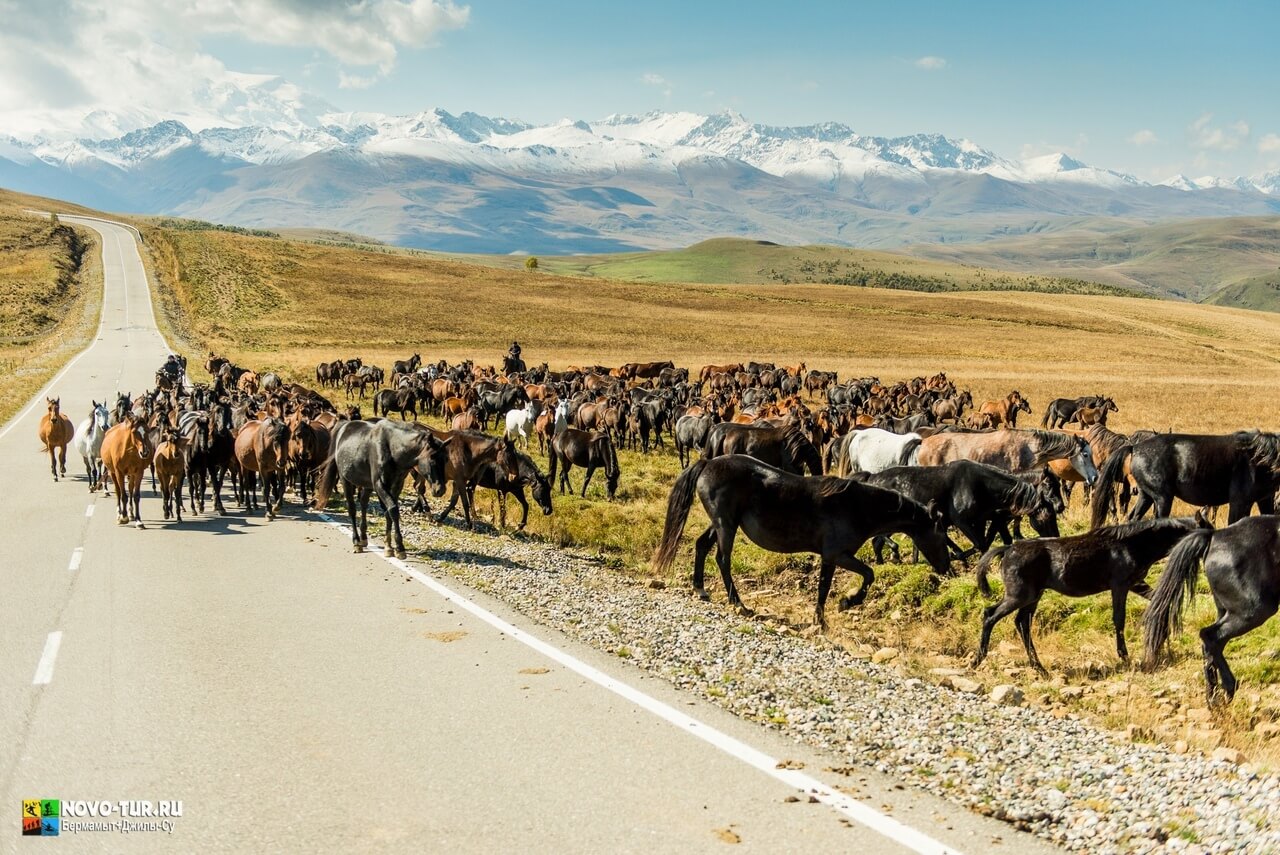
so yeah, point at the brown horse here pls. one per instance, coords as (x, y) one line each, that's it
(56, 432)
(170, 466)
(1005, 411)
(467, 452)
(262, 447)
(1016, 451)
(126, 454)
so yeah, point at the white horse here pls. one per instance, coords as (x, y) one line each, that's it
(562, 417)
(874, 450)
(520, 423)
(88, 442)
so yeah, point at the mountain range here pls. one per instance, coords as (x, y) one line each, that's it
(270, 156)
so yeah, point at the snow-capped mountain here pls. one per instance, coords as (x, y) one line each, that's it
(260, 152)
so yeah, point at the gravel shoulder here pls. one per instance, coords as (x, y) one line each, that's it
(1073, 784)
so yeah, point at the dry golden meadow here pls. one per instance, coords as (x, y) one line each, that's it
(285, 305)
(48, 303)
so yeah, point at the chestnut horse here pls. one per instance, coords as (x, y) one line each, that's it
(56, 432)
(1005, 411)
(126, 454)
(262, 448)
(170, 466)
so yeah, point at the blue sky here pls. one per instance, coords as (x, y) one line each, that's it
(1148, 88)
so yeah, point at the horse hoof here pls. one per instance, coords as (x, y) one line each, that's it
(139, 526)
(704, 596)
(357, 548)
(121, 521)
(400, 553)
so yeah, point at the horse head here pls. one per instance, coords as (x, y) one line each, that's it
(1082, 461)
(431, 463)
(54, 407)
(138, 438)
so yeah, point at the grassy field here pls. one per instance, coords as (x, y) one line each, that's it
(286, 305)
(738, 261)
(49, 297)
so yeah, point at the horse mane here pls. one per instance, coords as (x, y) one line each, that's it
(831, 485)
(1022, 498)
(797, 445)
(1263, 448)
(1052, 442)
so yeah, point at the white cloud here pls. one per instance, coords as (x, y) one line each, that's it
(72, 56)
(649, 78)
(1144, 137)
(355, 81)
(1204, 135)
(931, 63)
(1269, 144)
(1074, 149)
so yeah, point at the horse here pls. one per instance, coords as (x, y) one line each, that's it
(493, 477)
(690, 433)
(308, 447)
(221, 455)
(466, 453)
(873, 450)
(396, 400)
(1239, 470)
(375, 457)
(491, 403)
(126, 453)
(951, 408)
(785, 447)
(1005, 411)
(520, 423)
(1063, 411)
(87, 442)
(1016, 451)
(170, 465)
(592, 450)
(403, 366)
(1241, 566)
(975, 498)
(262, 447)
(782, 512)
(56, 432)
(1112, 558)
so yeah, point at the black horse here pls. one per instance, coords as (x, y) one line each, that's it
(400, 366)
(495, 404)
(1243, 570)
(1238, 470)
(977, 499)
(403, 400)
(494, 477)
(782, 512)
(1113, 558)
(786, 448)
(1063, 411)
(376, 457)
(590, 449)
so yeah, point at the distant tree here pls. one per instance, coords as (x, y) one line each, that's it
(53, 218)
(531, 263)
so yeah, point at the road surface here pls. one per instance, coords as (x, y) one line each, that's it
(297, 697)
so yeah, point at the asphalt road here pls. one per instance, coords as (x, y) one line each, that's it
(297, 697)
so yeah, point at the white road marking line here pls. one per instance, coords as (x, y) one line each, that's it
(858, 811)
(88, 512)
(77, 555)
(44, 671)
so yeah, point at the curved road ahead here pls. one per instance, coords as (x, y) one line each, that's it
(284, 690)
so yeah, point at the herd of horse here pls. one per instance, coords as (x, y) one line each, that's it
(796, 459)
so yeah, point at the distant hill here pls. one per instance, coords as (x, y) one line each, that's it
(1190, 260)
(734, 260)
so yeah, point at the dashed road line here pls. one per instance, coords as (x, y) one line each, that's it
(44, 670)
(88, 512)
(77, 555)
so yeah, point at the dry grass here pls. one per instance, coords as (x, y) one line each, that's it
(287, 305)
(49, 298)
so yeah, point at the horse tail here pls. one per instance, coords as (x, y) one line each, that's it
(985, 565)
(1104, 490)
(678, 506)
(327, 479)
(1177, 584)
(842, 463)
(1044, 420)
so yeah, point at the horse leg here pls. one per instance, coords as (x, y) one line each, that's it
(700, 549)
(1140, 507)
(1164, 506)
(1119, 597)
(460, 487)
(349, 494)
(121, 509)
(724, 556)
(177, 490)
(852, 562)
(1023, 622)
(362, 496)
(453, 502)
(166, 497)
(395, 542)
(591, 468)
(135, 493)
(1214, 638)
(217, 473)
(53, 462)
(62, 460)
(991, 615)
(524, 507)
